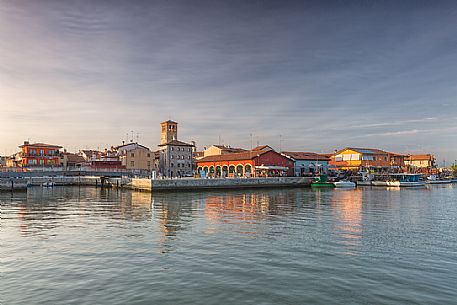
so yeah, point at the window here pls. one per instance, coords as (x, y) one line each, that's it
(149, 163)
(172, 149)
(172, 164)
(190, 149)
(41, 162)
(346, 157)
(182, 157)
(385, 158)
(42, 152)
(179, 165)
(149, 155)
(338, 158)
(172, 157)
(367, 158)
(188, 157)
(374, 158)
(132, 155)
(132, 163)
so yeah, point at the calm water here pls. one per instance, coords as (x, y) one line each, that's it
(290, 246)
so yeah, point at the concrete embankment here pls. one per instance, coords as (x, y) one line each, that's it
(16, 184)
(228, 183)
(145, 184)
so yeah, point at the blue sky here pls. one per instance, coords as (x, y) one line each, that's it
(308, 75)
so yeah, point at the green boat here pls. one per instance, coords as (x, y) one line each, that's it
(322, 181)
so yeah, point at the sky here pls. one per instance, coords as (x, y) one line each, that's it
(297, 75)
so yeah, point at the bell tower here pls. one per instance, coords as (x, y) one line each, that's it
(169, 132)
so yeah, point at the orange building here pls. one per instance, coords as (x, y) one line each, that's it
(38, 154)
(258, 162)
(358, 158)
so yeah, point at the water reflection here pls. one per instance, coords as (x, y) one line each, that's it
(347, 214)
(42, 210)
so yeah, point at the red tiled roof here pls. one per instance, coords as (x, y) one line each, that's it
(420, 157)
(246, 155)
(305, 156)
(43, 145)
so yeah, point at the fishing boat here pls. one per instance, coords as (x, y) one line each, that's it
(322, 181)
(344, 184)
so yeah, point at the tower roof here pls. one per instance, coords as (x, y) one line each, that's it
(168, 122)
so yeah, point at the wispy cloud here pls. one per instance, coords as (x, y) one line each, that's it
(84, 73)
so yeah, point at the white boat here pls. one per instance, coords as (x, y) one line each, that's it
(439, 181)
(344, 184)
(433, 179)
(48, 184)
(399, 180)
(364, 183)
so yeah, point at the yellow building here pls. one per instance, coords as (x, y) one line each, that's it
(136, 156)
(355, 158)
(217, 150)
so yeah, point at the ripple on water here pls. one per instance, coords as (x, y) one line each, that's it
(292, 246)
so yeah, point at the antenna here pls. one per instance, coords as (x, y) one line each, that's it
(280, 143)
(131, 139)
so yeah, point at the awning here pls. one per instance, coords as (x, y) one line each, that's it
(272, 167)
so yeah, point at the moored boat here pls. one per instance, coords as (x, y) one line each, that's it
(344, 184)
(433, 179)
(322, 181)
(399, 180)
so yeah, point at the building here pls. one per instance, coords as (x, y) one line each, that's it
(135, 156)
(253, 163)
(216, 150)
(107, 159)
(421, 163)
(175, 156)
(70, 160)
(37, 155)
(357, 159)
(308, 163)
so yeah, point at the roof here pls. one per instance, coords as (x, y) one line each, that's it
(73, 158)
(169, 121)
(44, 145)
(420, 157)
(176, 143)
(228, 148)
(245, 155)
(305, 156)
(369, 151)
(135, 143)
(262, 147)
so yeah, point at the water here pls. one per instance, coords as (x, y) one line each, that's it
(289, 246)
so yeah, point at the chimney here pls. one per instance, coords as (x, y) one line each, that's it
(26, 143)
(123, 142)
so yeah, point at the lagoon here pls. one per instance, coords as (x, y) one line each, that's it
(83, 245)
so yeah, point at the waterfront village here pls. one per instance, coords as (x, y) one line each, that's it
(175, 159)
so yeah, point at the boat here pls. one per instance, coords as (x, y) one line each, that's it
(344, 184)
(433, 179)
(322, 181)
(48, 184)
(398, 180)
